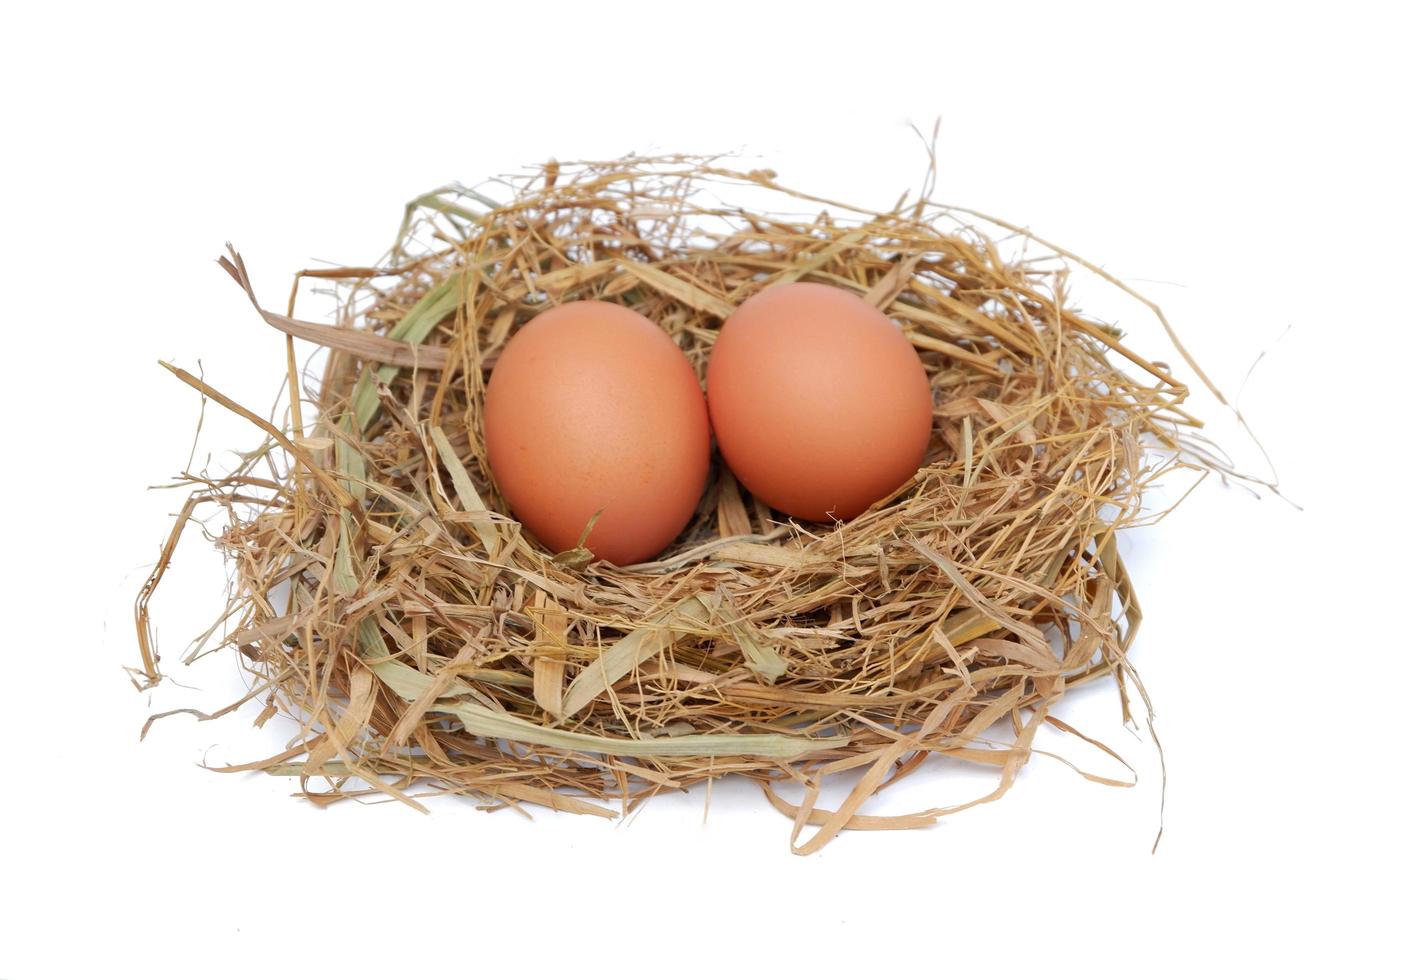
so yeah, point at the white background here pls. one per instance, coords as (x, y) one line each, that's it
(1250, 168)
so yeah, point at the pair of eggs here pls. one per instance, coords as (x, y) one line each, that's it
(819, 404)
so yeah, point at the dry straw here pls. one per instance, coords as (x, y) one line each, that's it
(422, 642)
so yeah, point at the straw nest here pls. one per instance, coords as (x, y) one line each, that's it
(422, 642)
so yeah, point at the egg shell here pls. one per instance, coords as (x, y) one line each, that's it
(593, 407)
(819, 403)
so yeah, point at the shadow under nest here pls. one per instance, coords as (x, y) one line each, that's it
(422, 642)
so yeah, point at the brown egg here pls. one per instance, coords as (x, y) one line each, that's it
(820, 405)
(592, 407)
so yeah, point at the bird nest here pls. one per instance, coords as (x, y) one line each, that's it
(422, 642)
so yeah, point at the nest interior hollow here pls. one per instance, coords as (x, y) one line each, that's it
(391, 607)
